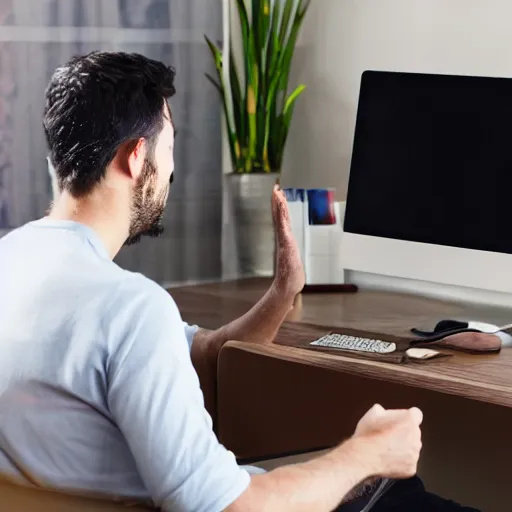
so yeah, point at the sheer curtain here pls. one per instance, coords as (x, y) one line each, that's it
(37, 36)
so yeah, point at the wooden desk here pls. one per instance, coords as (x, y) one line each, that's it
(212, 305)
(484, 378)
(278, 400)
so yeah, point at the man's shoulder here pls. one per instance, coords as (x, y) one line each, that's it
(135, 285)
(143, 317)
(138, 294)
(13, 234)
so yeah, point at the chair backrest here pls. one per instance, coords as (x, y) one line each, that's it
(18, 498)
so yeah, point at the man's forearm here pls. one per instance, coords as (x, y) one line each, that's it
(259, 325)
(318, 485)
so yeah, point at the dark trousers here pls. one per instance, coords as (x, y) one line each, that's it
(407, 496)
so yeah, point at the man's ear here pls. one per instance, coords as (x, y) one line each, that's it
(131, 157)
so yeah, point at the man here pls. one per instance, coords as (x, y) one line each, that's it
(99, 377)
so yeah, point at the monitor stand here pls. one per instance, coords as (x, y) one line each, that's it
(458, 294)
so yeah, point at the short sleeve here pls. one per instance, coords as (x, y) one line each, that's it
(190, 332)
(155, 399)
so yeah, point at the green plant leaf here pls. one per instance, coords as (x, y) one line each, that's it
(214, 83)
(256, 105)
(266, 20)
(285, 120)
(285, 20)
(245, 33)
(290, 102)
(279, 72)
(273, 46)
(216, 53)
(238, 100)
(291, 43)
(261, 17)
(251, 83)
(233, 143)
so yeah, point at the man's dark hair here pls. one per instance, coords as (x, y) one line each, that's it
(96, 103)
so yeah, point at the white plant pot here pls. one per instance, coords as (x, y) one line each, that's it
(248, 230)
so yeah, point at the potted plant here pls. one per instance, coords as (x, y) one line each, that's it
(258, 107)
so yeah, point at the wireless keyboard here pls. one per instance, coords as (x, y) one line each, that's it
(344, 342)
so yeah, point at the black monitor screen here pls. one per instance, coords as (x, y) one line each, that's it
(432, 160)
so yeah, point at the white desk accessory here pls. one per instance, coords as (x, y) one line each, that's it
(320, 245)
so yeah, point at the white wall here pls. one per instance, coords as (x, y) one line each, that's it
(342, 38)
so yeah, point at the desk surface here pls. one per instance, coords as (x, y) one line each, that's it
(485, 378)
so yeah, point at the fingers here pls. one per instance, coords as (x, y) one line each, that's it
(278, 193)
(279, 202)
(275, 198)
(395, 414)
(417, 415)
(377, 410)
(374, 412)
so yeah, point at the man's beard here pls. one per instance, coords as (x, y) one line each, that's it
(147, 209)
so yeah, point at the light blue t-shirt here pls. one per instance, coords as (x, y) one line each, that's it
(97, 388)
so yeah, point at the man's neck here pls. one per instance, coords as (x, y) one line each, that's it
(100, 211)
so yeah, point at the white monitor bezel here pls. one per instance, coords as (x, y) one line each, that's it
(437, 264)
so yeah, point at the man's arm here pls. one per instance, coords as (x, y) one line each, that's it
(261, 323)
(318, 485)
(155, 400)
(386, 443)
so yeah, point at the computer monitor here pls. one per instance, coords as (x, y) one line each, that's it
(430, 187)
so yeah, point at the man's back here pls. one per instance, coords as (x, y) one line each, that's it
(97, 389)
(55, 425)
